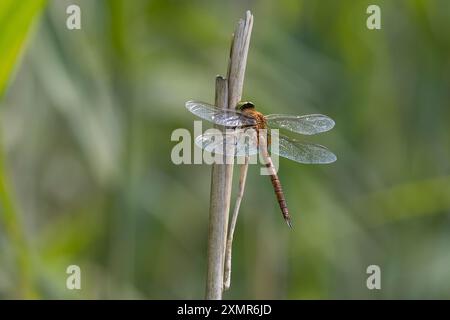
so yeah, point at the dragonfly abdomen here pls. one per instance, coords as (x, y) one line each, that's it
(279, 194)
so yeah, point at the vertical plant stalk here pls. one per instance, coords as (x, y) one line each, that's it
(237, 205)
(228, 94)
(221, 178)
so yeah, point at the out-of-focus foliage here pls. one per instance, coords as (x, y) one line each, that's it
(15, 20)
(86, 128)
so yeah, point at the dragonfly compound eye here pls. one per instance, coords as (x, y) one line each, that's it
(245, 105)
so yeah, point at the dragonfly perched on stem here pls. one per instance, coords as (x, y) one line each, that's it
(244, 118)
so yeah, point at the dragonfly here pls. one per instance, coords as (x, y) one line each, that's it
(245, 117)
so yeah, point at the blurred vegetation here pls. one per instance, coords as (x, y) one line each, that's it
(85, 170)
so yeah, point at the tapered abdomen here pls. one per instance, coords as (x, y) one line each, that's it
(279, 192)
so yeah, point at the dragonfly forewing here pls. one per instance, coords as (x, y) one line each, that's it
(223, 117)
(308, 124)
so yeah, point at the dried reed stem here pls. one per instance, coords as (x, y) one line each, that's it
(237, 205)
(228, 94)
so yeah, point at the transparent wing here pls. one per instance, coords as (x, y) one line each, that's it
(238, 143)
(301, 152)
(308, 124)
(227, 118)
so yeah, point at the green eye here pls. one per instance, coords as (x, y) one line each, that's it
(244, 105)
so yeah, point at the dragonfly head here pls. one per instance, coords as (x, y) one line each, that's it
(245, 105)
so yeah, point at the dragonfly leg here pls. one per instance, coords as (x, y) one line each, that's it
(257, 136)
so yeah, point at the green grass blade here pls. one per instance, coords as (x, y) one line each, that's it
(16, 18)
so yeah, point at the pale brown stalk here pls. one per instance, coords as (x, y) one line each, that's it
(228, 94)
(237, 205)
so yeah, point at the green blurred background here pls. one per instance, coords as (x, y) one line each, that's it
(85, 170)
